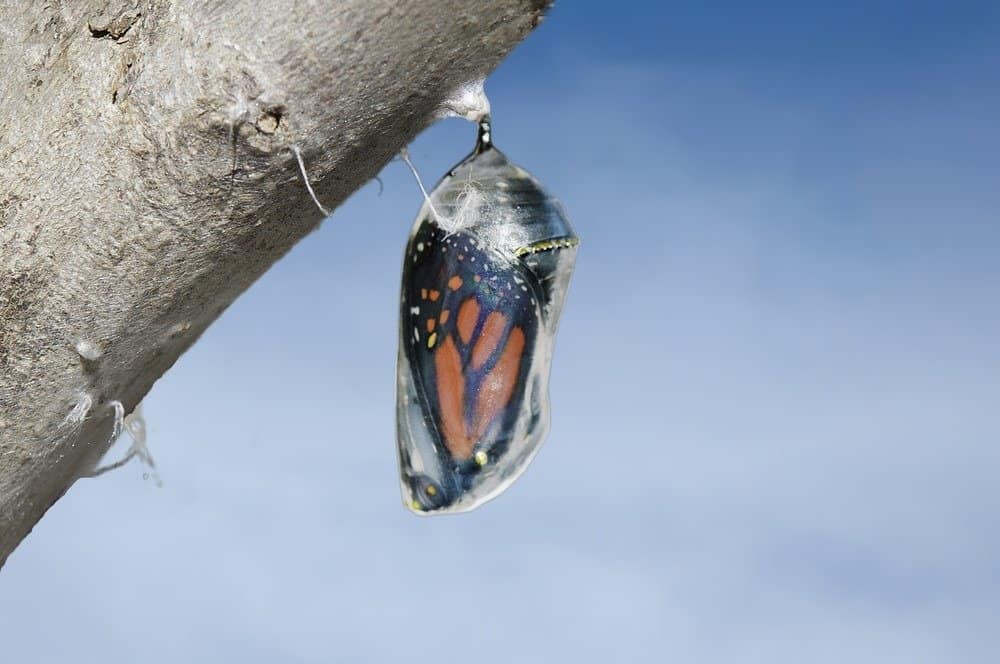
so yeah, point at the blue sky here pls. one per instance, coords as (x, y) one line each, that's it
(774, 392)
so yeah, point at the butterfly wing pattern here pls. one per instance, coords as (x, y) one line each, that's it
(484, 276)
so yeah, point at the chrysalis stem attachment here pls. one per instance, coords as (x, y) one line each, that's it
(485, 140)
(468, 101)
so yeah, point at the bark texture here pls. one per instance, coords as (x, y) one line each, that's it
(148, 177)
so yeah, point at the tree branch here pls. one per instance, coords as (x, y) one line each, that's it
(149, 177)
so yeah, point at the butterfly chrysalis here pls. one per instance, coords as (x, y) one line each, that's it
(485, 274)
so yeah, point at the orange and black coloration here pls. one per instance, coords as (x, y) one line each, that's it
(484, 275)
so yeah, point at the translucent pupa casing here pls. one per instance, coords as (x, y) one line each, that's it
(485, 274)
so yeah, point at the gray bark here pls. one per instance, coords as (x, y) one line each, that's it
(147, 178)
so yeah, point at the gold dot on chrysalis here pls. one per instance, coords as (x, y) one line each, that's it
(432, 339)
(481, 458)
(431, 490)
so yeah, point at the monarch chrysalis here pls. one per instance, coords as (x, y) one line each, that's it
(484, 278)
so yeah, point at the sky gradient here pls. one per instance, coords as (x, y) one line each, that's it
(774, 393)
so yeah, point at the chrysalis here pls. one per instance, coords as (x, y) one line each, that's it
(484, 278)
